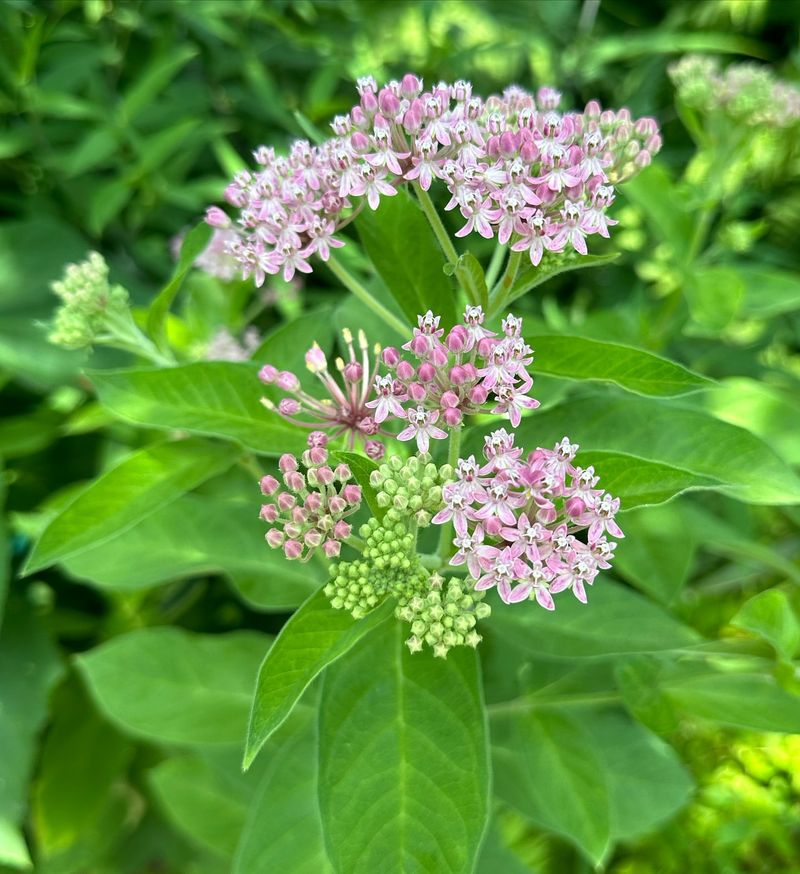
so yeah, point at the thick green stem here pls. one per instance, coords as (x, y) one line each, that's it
(352, 284)
(436, 223)
(355, 542)
(446, 535)
(123, 333)
(499, 294)
(495, 264)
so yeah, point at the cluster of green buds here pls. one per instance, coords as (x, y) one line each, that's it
(87, 302)
(443, 617)
(440, 616)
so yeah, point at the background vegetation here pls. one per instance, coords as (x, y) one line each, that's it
(120, 122)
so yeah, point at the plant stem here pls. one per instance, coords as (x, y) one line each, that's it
(445, 537)
(352, 284)
(436, 223)
(523, 704)
(495, 264)
(355, 542)
(499, 293)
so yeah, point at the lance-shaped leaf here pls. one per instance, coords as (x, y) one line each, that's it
(216, 398)
(312, 639)
(402, 246)
(635, 370)
(529, 277)
(141, 484)
(403, 772)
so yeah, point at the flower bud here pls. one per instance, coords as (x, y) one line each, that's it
(405, 371)
(332, 548)
(337, 505)
(353, 372)
(478, 395)
(318, 438)
(315, 359)
(313, 502)
(312, 538)
(450, 400)
(457, 338)
(410, 86)
(317, 455)
(352, 494)
(427, 372)
(292, 549)
(268, 485)
(294, 480)
(324, 475)
(269, 513)
(485, 346)
(342, 473)
(341, 530)
(374, 449)
(268, 374)
(288, 407)
(286, 501)
(492, 526)
(388, 102)
(287, 381)
(217, 218)
(417, 391)
(274, 537)
(287, 462)
(391, 356)
(452, 417)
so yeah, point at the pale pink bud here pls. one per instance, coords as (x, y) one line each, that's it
(324, 475)
(341, 530)
(410, 86)
(452, 417)
(493, 526)
(287, 462)
(353, 372)
(427, 372)
(575, 506)
(478, 395)
(269, 512)
(268, 485)
(287, 381)
(294, 480)
(653, 144)
(217, 218)
(450, 400)
(286, 501)
(458, 376)
(417, 391)
(508, 143)
(352, 494)
(292, 529)
(312, 538)
(293, 549)
(318, 438)
(332, 548)
(317, 455)
(369, 102)
(337, 505)
(268, 374)
(391, 356)
(388, 102)
(299, 516)
(342, 473)
(315, 359)
(235, 196)
(374, 449)
(288, 407)
(274, 537)
(313, 502)
(470, 371)
(439, 356)
(643, 159)
(485, 346)
(592, 110)
(405, 371)
(368, 425)
(457, 338)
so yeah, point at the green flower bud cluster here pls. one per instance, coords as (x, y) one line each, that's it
(88, 301)
(413, 487)
(444, 616)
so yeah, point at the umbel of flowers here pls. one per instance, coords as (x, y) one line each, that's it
(528, 524)
(516, 167)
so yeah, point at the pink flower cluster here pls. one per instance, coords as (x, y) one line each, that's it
(455, 376)
(516, 521)
(310, 511)
(515, 167)
(345, 409)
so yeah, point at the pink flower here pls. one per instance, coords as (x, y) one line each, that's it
(421, 427)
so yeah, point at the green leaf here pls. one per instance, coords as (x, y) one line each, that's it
(768, 291)
(658, 197)
(362, 467)
(215, 398)
(283, 831)
(641, 483)
(29, 669)
(770, 615)
(167, 684)
(635, 370)
(5, 546)
(194, 536)
(403, 771)
(286, 346)
(616, 620)
(139, 485)
(595, 779)
(470, 275)
(312, 639)
(667, 433)
(752, 701)
(530, 277)
(193, 244)
(714, 296)
(156, 77)
(401, 245)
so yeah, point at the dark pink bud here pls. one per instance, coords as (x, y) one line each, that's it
(410, 86)
(318, 438)
(508, 143)
(478, 395)
(286, 501)
(352, 494)
(274, 537)
(485, 347)
(439, 356)
(419, 345)
(412, 120)
(374, 449)
(457, 338)
(268, 485)
(528, 152)
(353, 372)
(458, 376)
(268, 374)
(294, 480)
(293, 549)
(388, 102)
(337, 505)
(341, 530)
(288, 407)
(405, 371)
(427, 372)
(332, 548)
(450, 400)
(417, 391)
(287, 381)
(391, 356)
(287, 462)
(312, 538)
(360, 142)
(269, 512)
(452, 417)
(493, 525)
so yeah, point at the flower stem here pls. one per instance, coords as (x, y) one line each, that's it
(499, 293)
(355, 542)
(495, 264)
(445, 537)
(436, 223)
(352, 284)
